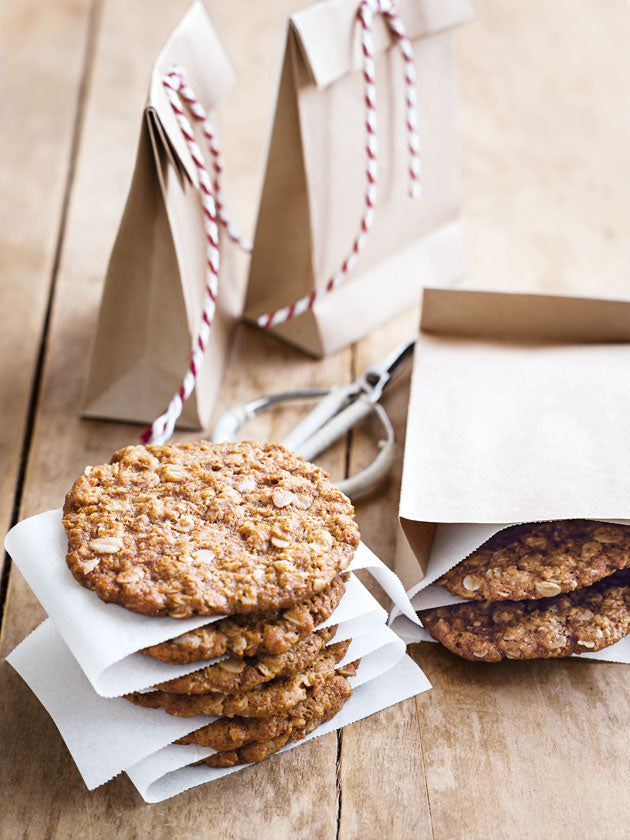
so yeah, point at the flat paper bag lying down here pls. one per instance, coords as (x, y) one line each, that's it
(518, 413)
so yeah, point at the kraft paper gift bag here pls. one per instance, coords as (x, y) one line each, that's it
(153, 299)
(518, 413)
(314, 190)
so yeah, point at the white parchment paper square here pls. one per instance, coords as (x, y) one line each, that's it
(105, 638)
(107, 735)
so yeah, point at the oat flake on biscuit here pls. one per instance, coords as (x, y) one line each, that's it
(208, 529)
(539, 560)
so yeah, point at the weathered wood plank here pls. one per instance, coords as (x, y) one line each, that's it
(36, 142)
(525, 749)
(383, 785)
(545, 144)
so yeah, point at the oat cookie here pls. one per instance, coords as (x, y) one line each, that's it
(233, 675)
(250, 753)
(583, 620)
(208, 529)
(540, 559)
(250, 635)
(233, 733)
(263, 701)
(306, 720)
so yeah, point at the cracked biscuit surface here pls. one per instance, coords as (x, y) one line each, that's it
(539, 560)
(207, 529)
(233, 675)
(233, 733)
(584, 620)
(307, 716)
(265, 700)
(273, 633)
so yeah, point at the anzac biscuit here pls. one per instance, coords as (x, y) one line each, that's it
(263, 701)
(250, 753)
(233, 733)
(308, 719)
(540, 559)
(583, 620)
(250, 635)
(233, 675)
(208, 529)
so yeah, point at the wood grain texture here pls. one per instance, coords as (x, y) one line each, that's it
(529, 750)
(386, 748)
(36, 143)
(545, 147)
(516, 750)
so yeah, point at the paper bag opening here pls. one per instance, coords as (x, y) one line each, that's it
(517, 413)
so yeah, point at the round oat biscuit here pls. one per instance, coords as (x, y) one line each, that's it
(271, 633)
(233, 675)
(304, 718)
(583, 620)
(207, 529)
(232, 733)
(540, 559)
(262, 701)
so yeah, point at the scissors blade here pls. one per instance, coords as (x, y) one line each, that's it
(377, 377)
(399, 356)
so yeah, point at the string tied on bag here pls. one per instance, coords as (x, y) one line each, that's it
(180, 96)
(367, 10)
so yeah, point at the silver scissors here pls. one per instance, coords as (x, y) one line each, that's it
(340, 408)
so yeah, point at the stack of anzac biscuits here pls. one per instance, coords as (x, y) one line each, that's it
(538, 591)
(247, 531)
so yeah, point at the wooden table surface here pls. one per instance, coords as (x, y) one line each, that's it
(517, 750)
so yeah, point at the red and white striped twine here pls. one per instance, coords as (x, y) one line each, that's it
(367, 10)
(177, 90)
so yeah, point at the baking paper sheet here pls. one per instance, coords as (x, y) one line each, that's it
(107, 651)
(167, 773)
(107, 735)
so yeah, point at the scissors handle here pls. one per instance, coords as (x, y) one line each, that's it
(332, 403)
(336, 428)
(363, 482)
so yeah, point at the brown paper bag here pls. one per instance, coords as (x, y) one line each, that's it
(518, 413)
(314, 187)
(154, 289)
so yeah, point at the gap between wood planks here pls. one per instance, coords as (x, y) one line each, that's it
(91, 35)
(346, 474)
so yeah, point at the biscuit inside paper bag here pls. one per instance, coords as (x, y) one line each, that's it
(515, 416)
